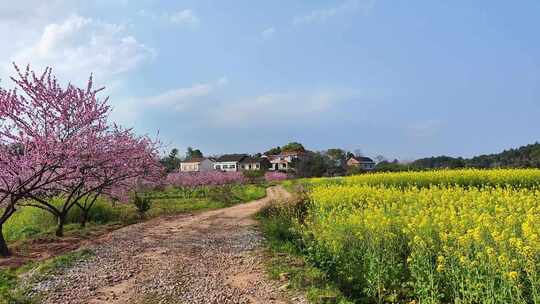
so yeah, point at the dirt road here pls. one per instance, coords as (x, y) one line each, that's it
(211, 257)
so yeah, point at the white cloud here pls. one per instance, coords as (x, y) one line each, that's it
(182, 98)
(21, 23)
(322, 15)
(185, 17)
(264, 109)
(268, 33)
(206, 106)
(282, 107)
(79, 46)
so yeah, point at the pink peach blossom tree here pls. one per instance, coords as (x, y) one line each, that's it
(128, 163)
(69, 125)
(42, 132)
(57, 142)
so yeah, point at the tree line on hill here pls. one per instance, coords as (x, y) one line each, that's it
(523, 157)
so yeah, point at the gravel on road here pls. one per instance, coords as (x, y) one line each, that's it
(210, 257)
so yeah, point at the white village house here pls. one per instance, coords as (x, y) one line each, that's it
(364, 163)
(250, 163)
(229, 162)
(282, 161)
(240, 162)
(244, 162)
(197, 165)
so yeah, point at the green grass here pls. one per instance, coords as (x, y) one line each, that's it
(248, 193)
(170, 206)
(8, 287)
(30, 223)
(303, 277)
(280, 224)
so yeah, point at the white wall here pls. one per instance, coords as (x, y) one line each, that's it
(226, 166)
(189, 167)
(250, 166)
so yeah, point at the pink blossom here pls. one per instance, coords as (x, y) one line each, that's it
(275, 176)
(206, 178)
(57, 141)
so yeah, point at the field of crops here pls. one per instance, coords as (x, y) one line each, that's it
(465, 236)
(519, 178)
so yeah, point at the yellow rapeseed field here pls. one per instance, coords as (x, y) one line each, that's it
(464, 236)
(521, 178)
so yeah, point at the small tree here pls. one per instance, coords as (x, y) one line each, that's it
(273, 151)
(337, 161)
(380, 158)
(293, 147)
(171, 162)
(132, 161)
(312, 164)
(142, 203)
(193, 153)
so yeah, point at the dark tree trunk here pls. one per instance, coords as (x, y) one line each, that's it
(84, 217)
(4, 250)
(60, 226)
(8, 212)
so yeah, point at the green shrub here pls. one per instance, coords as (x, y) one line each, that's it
(254, 176)
(281, 223)
(142, 203)
(102, 212)
(246, 193)
(27, 222)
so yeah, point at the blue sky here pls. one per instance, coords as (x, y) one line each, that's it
(399, 78)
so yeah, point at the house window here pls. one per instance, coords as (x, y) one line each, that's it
(218, 167)
(257, 166)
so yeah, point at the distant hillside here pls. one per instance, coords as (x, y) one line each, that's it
(522, 157)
